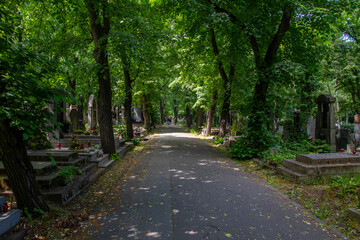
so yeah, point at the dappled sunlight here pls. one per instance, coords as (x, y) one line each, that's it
(182, 174)
(176, 135)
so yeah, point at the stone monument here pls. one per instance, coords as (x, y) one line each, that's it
(325, 120)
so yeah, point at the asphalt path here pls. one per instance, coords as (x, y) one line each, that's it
(185, 189)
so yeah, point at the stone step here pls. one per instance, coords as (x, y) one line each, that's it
(328, 158)
(321, 169)
(40, 168)
(9, 219)
(49, 181)
(81, 153)
(64, 195)
(81, 161)
(102, 159)
(59, 156)
(106, 164)
(300, 167)
(292, 176)
(121, 151)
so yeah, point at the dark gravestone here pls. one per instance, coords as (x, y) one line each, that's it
(81, 113)
(74, 116)
(325, 120)
(344, 138)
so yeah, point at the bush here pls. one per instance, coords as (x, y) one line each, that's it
(243, 150)
(289, 150)
(219, 140)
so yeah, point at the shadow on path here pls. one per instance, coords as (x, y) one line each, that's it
(185, 189)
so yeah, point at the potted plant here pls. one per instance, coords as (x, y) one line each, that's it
(87, 132)
(79, 131)
(95, 132)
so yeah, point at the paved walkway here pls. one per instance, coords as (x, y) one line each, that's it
(190, 191)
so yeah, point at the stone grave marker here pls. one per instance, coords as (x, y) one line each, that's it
(311, 125)
(325, 120)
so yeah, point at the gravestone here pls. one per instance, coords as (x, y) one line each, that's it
(311, 125)
(325, 120)
(137, 115)
(344, 138)
(74, 116)
(80, 114)
(91, 112)
(357, 134)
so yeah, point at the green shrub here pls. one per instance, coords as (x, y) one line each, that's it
(219, 140)
(345, 184)
(243, 150)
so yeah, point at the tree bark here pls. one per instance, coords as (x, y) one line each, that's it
(200, 118)
(19, 170)
(128, 103)
(211, 113)
(188, 116)
(145, 112)
(162, 116)
(175, 112)
(227, 85)
(100, 28)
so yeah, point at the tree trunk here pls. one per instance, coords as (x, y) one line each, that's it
(128, 103)
(200, 118)
(211, 113)
(19, 170)
(227, 85)
(162, 116)
(175, 112)
(100, 28)
(145, 112)
(188, 116)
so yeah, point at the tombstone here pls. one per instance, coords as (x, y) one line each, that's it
(91, 112)
(325, 120)
(344, 139)
(137, 114)
(80, 114)
(74, 116)
(280, 129)
(311, 125)
(296, 122)
(357, 134)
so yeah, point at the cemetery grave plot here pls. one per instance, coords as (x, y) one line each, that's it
(310, 166)
(59, 186)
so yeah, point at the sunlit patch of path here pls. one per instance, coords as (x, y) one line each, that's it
(190, 191)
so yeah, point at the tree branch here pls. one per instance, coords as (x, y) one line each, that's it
(279, 36)
(216, 53)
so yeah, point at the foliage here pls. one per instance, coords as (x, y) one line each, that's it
(69, 171)
(242, 149)
(219, 140)
(348, 127)
(289, 150)
(79, 131)
(345, 185)
(39, 142)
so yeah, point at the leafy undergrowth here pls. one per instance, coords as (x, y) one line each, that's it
(327, 199)
(69, 222)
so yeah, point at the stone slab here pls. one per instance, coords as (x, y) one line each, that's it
(40, 168)
(9, 219)
(62, 156)
(328, 158)
(63, 195)
(354, 214)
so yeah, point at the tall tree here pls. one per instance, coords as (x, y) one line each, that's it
(99, 16)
